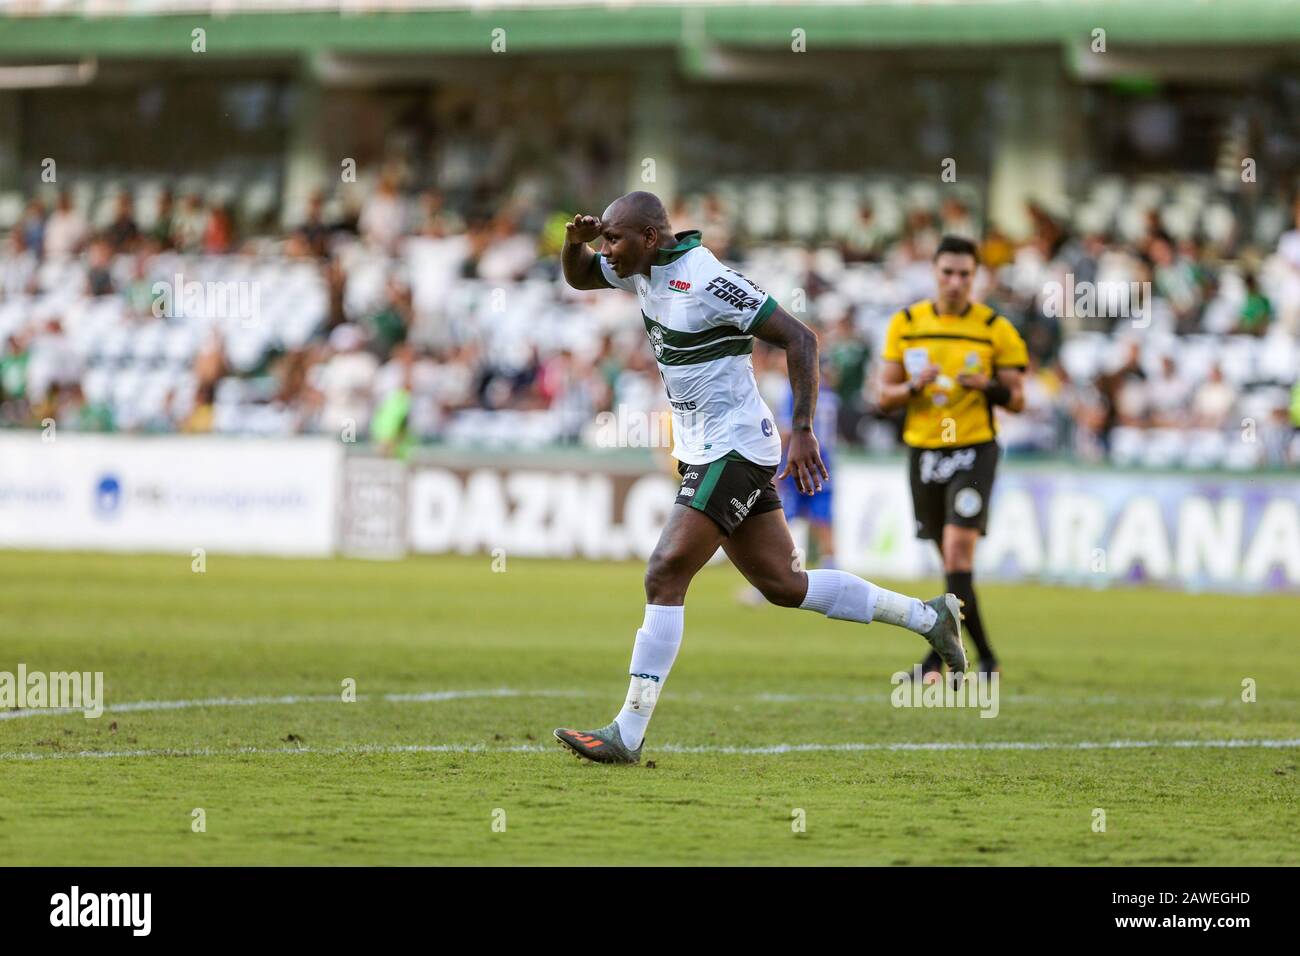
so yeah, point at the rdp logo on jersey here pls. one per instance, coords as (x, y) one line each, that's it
(679, 285)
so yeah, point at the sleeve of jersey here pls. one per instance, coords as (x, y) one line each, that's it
(893, 350)
(611, 277)
(1009, 349)
(727, 296)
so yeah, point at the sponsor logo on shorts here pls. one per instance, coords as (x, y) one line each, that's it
(689, 475)
(938, 467)
(968, 502)
(742, 507)
(687, 493)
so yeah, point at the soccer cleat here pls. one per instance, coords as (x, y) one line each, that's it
(945, 636)
(601, 746)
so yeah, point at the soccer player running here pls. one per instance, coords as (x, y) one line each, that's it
(948, 362)
(701, 319)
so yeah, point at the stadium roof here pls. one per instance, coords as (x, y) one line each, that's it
(162, 28)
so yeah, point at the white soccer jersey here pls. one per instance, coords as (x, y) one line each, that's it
(701, 318)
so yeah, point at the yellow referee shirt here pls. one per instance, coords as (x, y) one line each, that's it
(944, 414)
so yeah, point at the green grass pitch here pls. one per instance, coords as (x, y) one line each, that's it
(306, 778)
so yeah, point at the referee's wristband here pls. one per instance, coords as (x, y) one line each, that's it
(997, 393)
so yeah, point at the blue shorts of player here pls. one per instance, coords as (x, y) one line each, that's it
(815, 507)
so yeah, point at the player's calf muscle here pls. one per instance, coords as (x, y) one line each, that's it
(787, 590)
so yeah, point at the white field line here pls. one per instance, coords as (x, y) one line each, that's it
(772, 749)
(141, 706)
(137, 706)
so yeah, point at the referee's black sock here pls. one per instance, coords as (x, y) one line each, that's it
(961, 583)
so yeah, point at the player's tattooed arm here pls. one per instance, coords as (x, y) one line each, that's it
(581, 266)
(803, 457)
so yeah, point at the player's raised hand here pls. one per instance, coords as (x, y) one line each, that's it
(803, 461)
(582, 228)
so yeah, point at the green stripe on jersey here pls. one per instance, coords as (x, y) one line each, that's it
(710, 353)
(675, 347)
(707, 483)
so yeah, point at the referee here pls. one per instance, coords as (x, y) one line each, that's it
(948, 361)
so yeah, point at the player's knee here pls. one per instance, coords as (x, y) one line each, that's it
(958, 563)
(958, 553)
(665, 579)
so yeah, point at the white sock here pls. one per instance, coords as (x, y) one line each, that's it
(846, 597)
(652, 658)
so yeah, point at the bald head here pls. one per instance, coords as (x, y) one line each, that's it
(635, 227)
(638, 211)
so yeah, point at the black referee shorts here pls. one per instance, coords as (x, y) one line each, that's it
(729, 490)
(952, 486)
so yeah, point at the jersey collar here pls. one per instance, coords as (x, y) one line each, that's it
(934, 307)
(686, 241)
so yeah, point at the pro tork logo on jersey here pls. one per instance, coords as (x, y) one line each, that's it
(732, 294)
